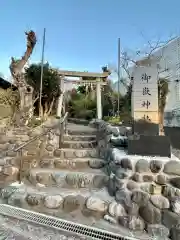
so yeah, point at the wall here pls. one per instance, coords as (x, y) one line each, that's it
(131, 183)
(31, 154)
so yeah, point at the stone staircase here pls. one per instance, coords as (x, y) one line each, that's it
(71, 184)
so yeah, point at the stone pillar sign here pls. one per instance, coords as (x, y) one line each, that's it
(145, 100)
(145, 115)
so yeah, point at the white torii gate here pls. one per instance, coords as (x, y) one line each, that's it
(99, 79)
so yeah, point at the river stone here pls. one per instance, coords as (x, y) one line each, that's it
(172, 167)
(81, 179)
(126, 163)
(119, 183)
(170, 192)
(177, 192)
(146, 187)
(137, 177)
(53, 202)
(175, 204)
(150, 213)
(100, 181)
(59, 178)
(157, 230)
(44, 178)
(161, 179)
(9, 170)
(47, 163)
(4, 147)
(131, 208)
(132, 222)
(156, 166)
(96, 163)
(159, 201)
(116, 210)
(123, 196)
(148, 178)
(131, 185)
(57, 152)
(33, 199)
(175, 232)
(96, 204)
(140, 197)
(17, 199)
(8, 191)
(111, 186)
(71, 203)
(122, 173)
(3, 139)
(110, 219)
(142, 166)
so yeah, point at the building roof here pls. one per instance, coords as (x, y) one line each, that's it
(5, 84)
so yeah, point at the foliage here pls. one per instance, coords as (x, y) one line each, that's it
(162, 93)
(113, 120)
(109, 100)
(35, 122)
(82, 106)
(50, 84)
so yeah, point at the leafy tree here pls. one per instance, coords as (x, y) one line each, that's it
(109, 100)
(81, 105)
(50, 86)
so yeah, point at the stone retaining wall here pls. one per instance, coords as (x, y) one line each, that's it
(147, 189)
(32, 154)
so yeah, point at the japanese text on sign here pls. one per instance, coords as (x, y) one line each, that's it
(146, 118)
(146, 104)
(145, 77)
(146, 91)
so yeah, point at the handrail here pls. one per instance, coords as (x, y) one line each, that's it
(37, 137)
(62, 124)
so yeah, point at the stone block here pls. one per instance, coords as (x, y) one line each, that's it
(170, 219)
(150, 146)
(146, 128)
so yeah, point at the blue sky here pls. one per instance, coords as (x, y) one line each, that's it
(82, 34)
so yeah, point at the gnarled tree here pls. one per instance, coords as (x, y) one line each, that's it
(25, 111)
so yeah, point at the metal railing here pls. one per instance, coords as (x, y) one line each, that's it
(62, 129)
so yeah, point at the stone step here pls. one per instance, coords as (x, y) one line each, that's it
(51, 200)
(92, 178)
(79, 144)
(79, 137)
(74, 163)
(76, 153)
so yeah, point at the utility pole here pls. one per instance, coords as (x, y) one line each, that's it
(119, 72)
(42, 67)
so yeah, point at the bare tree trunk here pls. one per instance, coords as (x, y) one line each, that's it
(25, 113)
(161, 123)
(48, 109)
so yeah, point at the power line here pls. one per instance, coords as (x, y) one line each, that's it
(42, 66)
(119, 62)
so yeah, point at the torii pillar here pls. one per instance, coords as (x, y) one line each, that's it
(98, 98)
